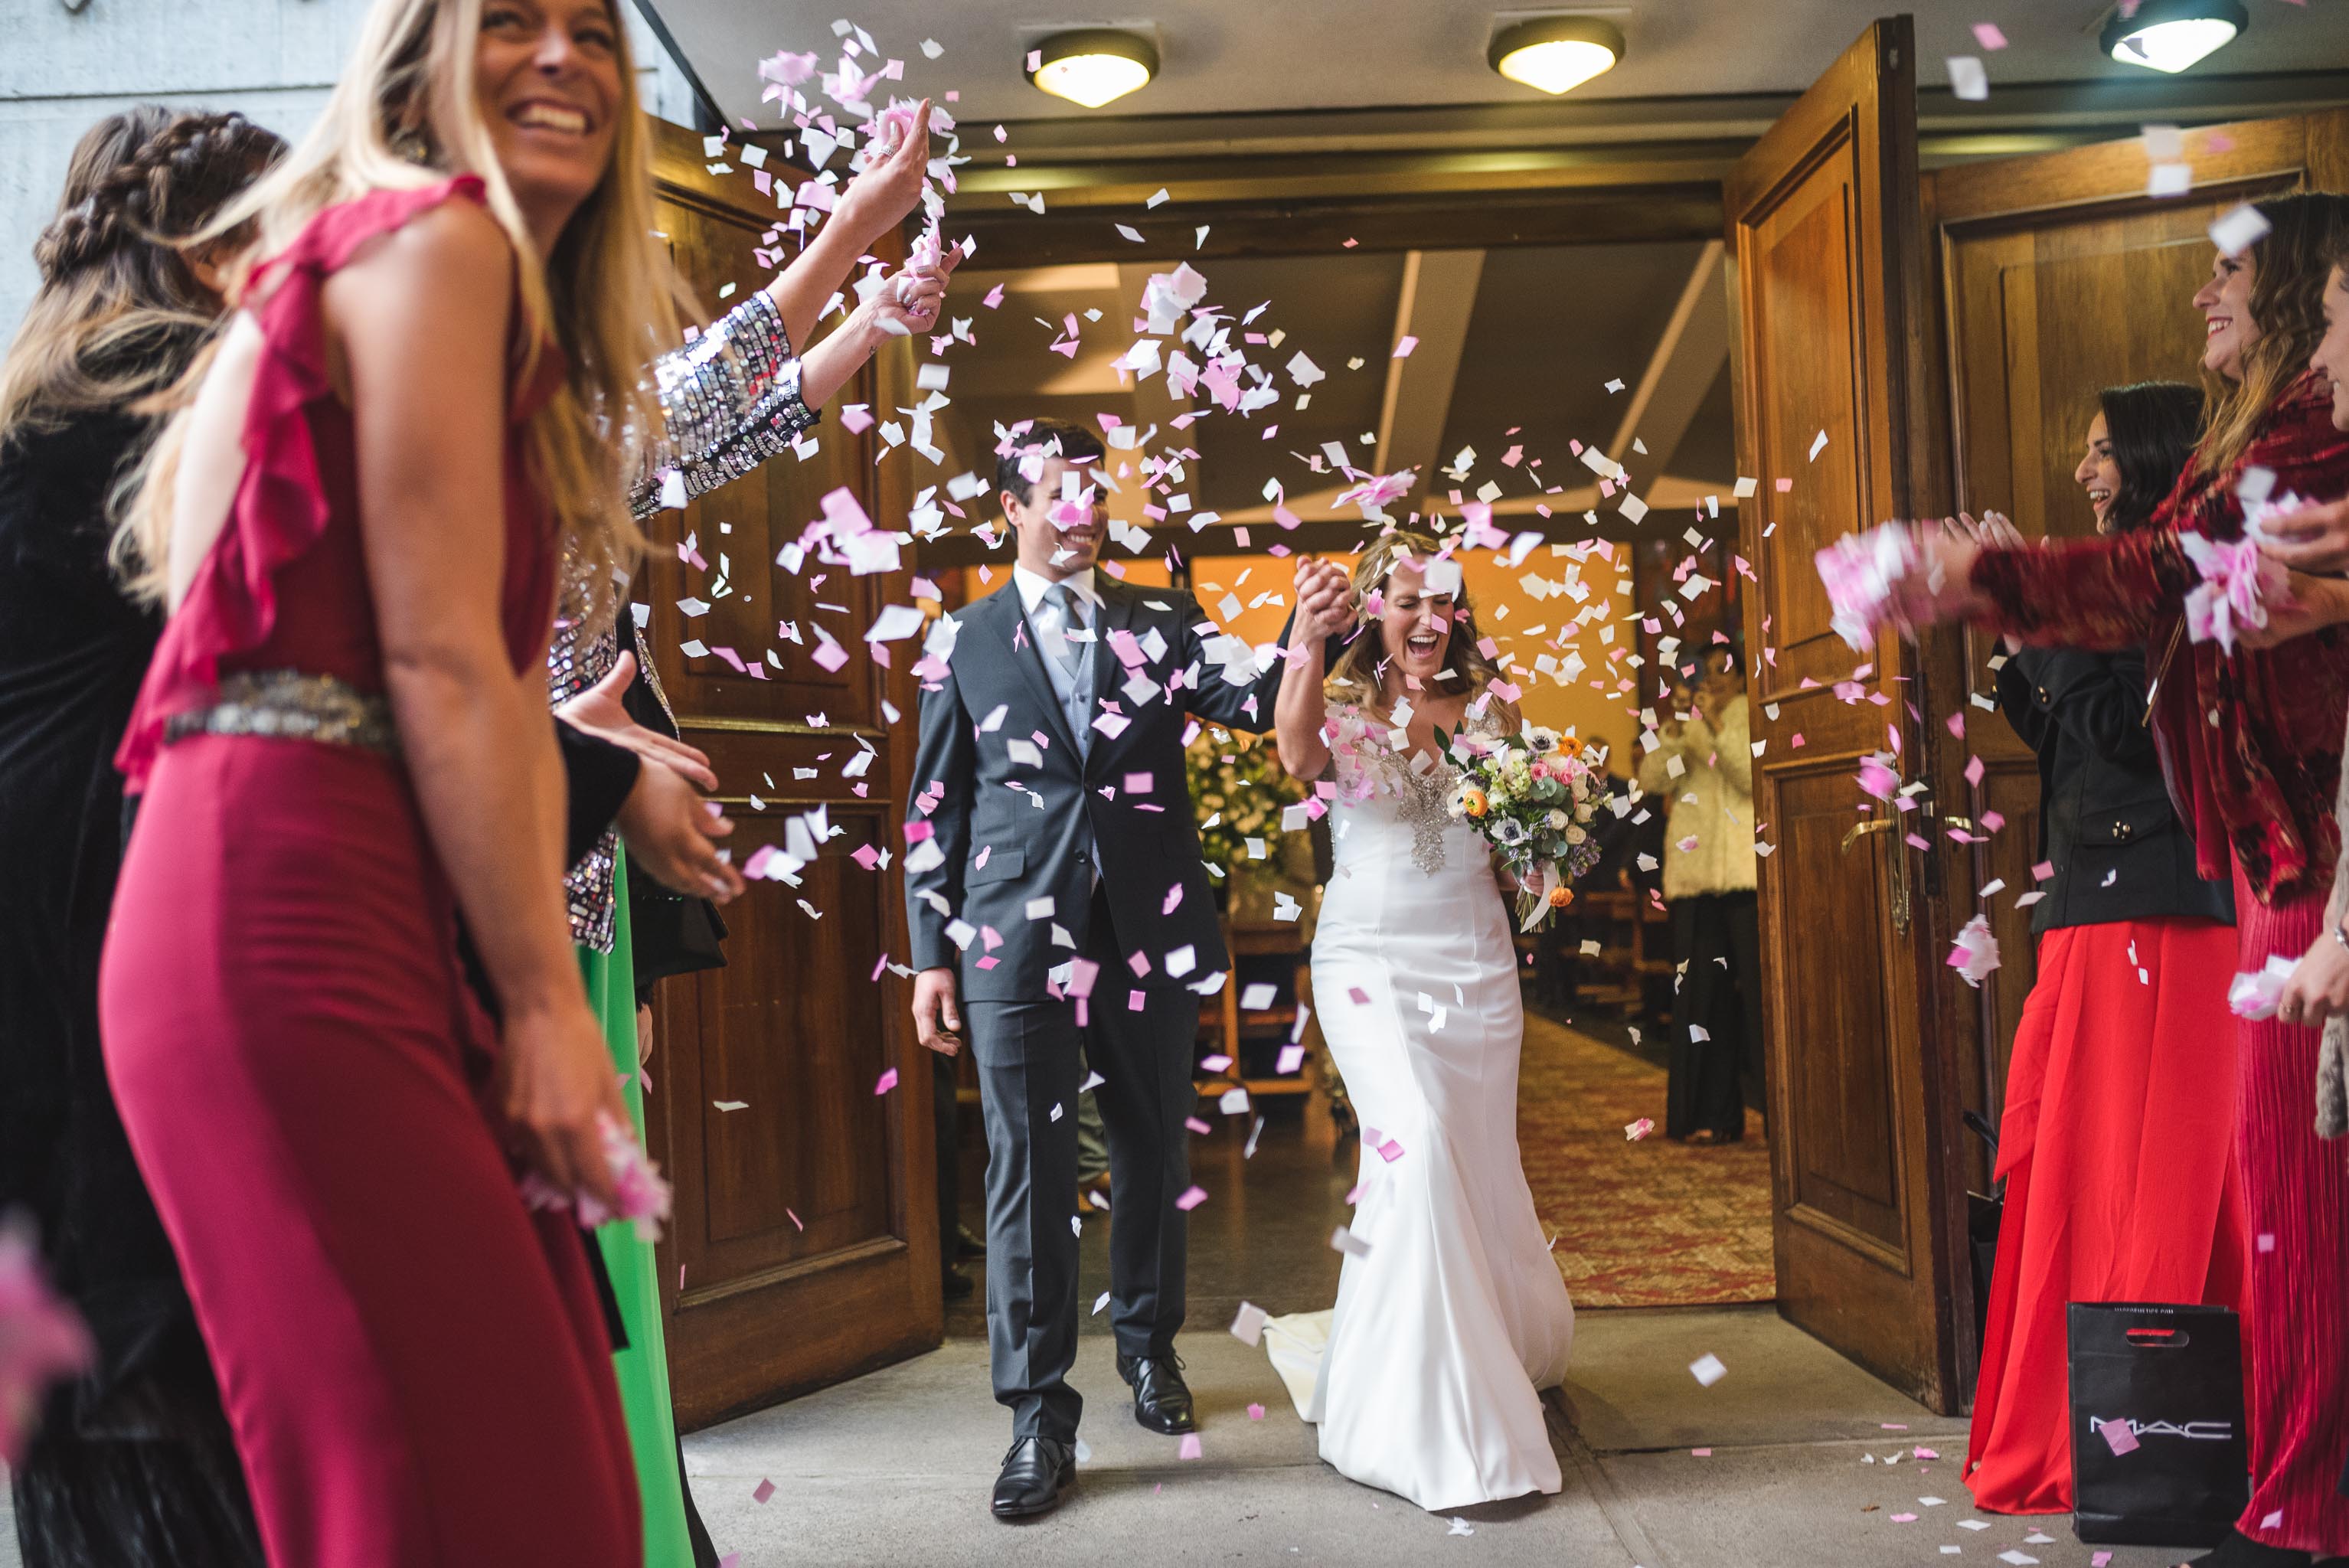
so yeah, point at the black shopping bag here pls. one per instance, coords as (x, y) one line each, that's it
(2157, 1443)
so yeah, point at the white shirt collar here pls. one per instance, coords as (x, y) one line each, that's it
(1034, 585)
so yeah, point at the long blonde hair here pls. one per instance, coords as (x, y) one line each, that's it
(1354, 675)
(2290, 265)
(607, 296)
(119, 312)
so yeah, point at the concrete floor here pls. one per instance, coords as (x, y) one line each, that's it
(894, 1468)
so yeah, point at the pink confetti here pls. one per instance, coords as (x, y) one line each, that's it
(888, 1082)
(2118, 1436)
(638, 1191)
(1974, 952)
(1190, 1447)
(1191, 1199)
(762, 1492)
(1701, 1453)
(1391, 1151)
(1255, 1412)
(1403, 349)
(1988, 36)
(1640, 1129)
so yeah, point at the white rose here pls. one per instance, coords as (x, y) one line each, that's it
(1558, 819)
(1577, 835)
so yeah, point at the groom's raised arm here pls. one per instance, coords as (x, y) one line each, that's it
(945, 779)
(1247, 705)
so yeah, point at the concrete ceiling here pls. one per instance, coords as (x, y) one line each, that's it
(1220, 56)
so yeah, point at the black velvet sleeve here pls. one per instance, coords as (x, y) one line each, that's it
(598, 777)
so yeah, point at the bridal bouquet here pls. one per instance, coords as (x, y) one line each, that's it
(1533, 798)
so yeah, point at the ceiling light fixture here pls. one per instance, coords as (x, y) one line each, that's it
(1092, 66)
(2171, 34)
(1556, 54)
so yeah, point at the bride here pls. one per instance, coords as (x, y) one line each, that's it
(1451, 1314)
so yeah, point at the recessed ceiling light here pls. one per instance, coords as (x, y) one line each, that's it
(1556, 54)
(2171, 34)
(1092, 66)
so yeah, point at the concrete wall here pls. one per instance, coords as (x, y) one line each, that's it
(273, 60)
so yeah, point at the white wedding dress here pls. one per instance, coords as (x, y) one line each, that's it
(1429, 1366)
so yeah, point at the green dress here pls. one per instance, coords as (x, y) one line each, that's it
(642, 1368)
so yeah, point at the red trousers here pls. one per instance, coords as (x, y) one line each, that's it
(2296, 1198)
(2116, 1145)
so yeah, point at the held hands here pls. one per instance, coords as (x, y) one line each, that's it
(556, 1076)
(2313, 538)
(599, 711)
(938, 1016)
(1325, 602)
(888, 188)
(669, 827)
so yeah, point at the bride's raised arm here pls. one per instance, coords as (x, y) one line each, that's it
(1324, 608)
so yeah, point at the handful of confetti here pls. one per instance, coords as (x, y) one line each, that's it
(2238, 585)
(1533, 799)
(1862, 574)
(2254, 995)
(638, 1191)
(1974, 954)
(41, 1340)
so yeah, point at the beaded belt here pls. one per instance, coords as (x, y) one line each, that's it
(292, 706)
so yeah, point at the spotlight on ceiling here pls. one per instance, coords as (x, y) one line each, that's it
(1092, 66)
(1556, 54)
(2171, 34)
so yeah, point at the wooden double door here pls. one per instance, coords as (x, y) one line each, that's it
(803, 1246)
(1907, 345)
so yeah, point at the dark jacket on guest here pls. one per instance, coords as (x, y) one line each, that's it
(2104, 818)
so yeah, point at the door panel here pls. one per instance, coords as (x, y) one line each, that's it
(1829, 290)
(804, 1246)
(2062, 277)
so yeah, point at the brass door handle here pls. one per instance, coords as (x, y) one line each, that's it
(1899, 864)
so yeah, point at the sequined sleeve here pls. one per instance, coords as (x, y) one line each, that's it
(730, 399)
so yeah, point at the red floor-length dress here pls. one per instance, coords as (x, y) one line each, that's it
(2118, 1150)
(414, 1364)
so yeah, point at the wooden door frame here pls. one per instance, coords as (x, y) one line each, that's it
(1910, 472)
(680, 174)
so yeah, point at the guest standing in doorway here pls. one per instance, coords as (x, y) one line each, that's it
(2125, 1034)
(2251, 740)
(1702, 763)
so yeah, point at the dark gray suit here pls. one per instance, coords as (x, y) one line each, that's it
(1019, 812)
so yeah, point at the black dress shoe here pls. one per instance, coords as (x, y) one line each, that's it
(1036, 1472)
(967, 1245)
(959, 1284)
(1162, 1401)
(2240, 1551)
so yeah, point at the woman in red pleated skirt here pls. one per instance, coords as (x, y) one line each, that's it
(2117, 1141)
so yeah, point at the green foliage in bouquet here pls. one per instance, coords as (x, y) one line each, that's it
(1239, 790)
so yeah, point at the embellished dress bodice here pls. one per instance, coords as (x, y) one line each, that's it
(1393, 799)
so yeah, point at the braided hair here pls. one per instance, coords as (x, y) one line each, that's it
(119, 312)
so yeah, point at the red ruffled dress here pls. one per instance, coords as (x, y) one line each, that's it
(414, 1364)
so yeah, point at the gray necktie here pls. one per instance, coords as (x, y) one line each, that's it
(1072, 619)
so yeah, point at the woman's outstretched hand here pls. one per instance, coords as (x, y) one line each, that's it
(601, 712)
(2313, 538)
(887, 189)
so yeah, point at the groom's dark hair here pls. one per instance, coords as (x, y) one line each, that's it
(1054, 439)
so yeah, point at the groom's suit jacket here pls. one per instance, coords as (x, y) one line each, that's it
(1017, 814)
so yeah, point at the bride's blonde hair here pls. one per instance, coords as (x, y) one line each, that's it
(1354, 675)
(608, 296)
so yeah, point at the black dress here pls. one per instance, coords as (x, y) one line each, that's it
(133, 1463)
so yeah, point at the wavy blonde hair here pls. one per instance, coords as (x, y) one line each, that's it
(1354, 674)
(608, 296)
(2290, 266)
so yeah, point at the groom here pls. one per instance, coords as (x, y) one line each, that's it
(1061, 912)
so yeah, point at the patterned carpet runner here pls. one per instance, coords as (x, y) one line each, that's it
(1651, 1223)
